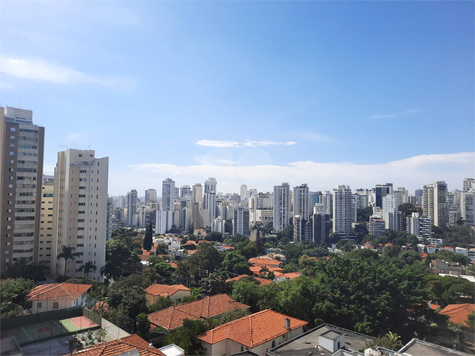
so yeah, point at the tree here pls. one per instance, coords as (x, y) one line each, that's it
(23, 268)
(13, 296)
(363, 214)
(148, 240)
(246, 293)
(160, 304)
(259, 246)
(470, 321)
(143, 326)
(88, 267)
(446, 289)
(215, 283)
(214, 236)
(127, 299)
(190, 230)
(67, 252)
(236, 263)
(187, 336)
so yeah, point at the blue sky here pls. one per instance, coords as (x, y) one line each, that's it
(323, 93)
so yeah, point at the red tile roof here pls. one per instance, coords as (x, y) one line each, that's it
(55, 290)
(253, 330)
(262, 281)
(117, 347)
(290, 275)
(264, 262)
(165, 290)
(172, 318)
(458, 313)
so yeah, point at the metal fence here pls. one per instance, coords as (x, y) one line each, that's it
(20, 321)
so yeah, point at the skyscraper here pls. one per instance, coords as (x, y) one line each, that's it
(434, 203)
(301, 201)
(168, 195)
(197, 193)
(241, 221)
(46, 254)
(150, 196)
(380, 191)
(211, 185)
(21, 169)
(281, 206)
(132, 208)
(80, 210)
(342, 212)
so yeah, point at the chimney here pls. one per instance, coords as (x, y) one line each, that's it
(287, 323)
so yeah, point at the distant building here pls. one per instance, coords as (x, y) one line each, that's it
(131, 208)
(419, 226)
(434, 203)
(150, 196)
(381, 191)
(342, 210)
(301, 203)
(241, 221)
(168, 194)
(281, 206)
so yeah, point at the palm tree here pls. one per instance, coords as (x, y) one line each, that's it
(88, 267)
(67, 252)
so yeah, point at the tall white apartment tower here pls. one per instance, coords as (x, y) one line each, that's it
(211, 185)
(21, 174)
(342, 212)
(281, 206)
(434, 203)
(80, 210)
(168, 194)
(132, 208)
(301, 202)
(390, 211)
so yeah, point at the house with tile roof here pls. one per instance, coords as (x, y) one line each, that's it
(262, 281)
(458, 313)
(54, 296)
(175, 292)
(172, 317)
(256, 333)
(129, 345)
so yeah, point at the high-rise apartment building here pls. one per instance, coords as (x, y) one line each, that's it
(80, 211)
(380, 192)
(46, 254)
(150, 196)
(281, 206)
(211, 185)
(131, 208)
(468, 183)
(342, 210)
(197, 193)
(391, 216)
(467, 207)
(21, 168)
(185, 191)
(209, 203)
(419, 226)
(168, 195)
(301, 203)
(241, 221)
(434, 203)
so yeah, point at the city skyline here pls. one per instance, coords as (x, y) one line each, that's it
(321, 93)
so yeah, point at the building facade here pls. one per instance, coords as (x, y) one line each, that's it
(342, 210)
(21, 177)
(80, 211)
(281, 206)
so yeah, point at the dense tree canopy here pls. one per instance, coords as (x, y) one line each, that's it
(13, 296)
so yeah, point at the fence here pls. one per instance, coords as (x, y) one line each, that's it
(115, 325)
(20, 321)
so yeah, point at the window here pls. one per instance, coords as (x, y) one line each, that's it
(40, 305)
(273, 343)
(55, 305)
(12, 129)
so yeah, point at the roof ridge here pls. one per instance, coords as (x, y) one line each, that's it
(250, 330)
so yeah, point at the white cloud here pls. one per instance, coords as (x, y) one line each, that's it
(313, 136)
(410, 173)
(250, 143)
(246, 143)
(209, 143)
(41, 70)
(387, 116)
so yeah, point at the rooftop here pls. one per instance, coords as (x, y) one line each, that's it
(165, 290)
(55, 290)
(172, 318)
(253, 330)
(417, 347)
(458, 313)
(309, 341)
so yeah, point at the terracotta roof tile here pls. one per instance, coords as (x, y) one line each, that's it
(262, 281)
(458, 313)
(253, 330)
(264, 262)
(117, 347)
(52, 291)
(172, 318)
(165, 290)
